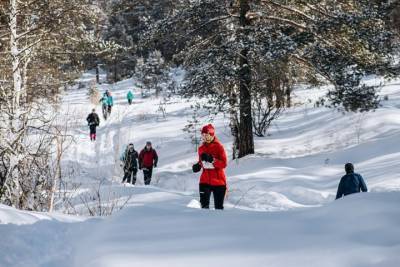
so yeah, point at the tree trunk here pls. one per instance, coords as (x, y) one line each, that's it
(15, 55)
(246, 140)
(115, 70)
(234, 123)
(97, 74)
(57, 173)
(288, 92)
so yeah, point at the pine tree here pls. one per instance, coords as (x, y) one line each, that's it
(222, 42)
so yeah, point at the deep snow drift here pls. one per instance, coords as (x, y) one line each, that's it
(295, 173)
(360, 230)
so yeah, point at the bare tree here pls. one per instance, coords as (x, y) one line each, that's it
(38, 59)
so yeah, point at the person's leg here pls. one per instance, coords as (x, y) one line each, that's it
(147, 175)
(129, 175)
(93, 132)
(134, 174)
(219, 196)
(145, 171)
(104, 111)
(205, 194)
(125, 176)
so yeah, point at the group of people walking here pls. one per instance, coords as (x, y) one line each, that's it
(131, 160)
(107, 102)
(212, 161)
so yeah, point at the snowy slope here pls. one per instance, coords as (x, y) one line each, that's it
(360, 230)
(295, 172)
(297, 165)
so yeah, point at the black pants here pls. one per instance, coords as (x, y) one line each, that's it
(130, 101)
(92, 128)
(205, 195)
(130, 175)
(147, 173)
(105, 111)
(109, 109)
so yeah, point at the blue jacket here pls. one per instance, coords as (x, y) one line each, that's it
(130, 95)
(104, 100)
(110, 101)
(351, 183)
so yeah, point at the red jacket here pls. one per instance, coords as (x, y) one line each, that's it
(213, 174)
(148, 158)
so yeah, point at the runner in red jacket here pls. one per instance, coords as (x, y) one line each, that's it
(148, 159)
(213, 161)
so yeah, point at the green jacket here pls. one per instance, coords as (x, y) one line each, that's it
(130, 95)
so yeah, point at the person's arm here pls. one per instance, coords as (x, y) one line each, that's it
(339, 193)
(140, 159)
(363, 186)
(199, 164)
(221, 161)
(155, 157)
(135, 160)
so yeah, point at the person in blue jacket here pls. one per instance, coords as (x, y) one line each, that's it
(130, 97)
(350, 183)
(110, 102)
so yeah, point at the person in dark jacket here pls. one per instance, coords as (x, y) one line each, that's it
(104, 104)
(213, 161)
(350, 183)
(130, 164)
(148, 160)
(93, 121)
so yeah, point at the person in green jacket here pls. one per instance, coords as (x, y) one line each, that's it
(129, 96)
(110, 102)
(104, 104)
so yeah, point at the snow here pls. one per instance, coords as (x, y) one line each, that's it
(280, 208)
(360, 230)
(9, 215)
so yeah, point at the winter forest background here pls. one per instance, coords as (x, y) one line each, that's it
(287, 83)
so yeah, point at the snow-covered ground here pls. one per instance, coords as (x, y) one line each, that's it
(280, 210)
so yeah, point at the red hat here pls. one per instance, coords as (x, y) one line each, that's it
(209, 128)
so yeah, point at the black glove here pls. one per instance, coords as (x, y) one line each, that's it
(155, 165)
(207, 157)
(196, 167)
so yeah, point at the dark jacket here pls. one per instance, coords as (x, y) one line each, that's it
(148, 158)
(93, 119)
(130, 159)
(351, 183)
